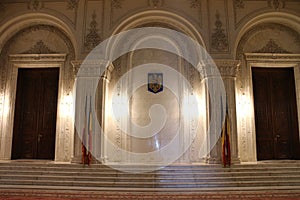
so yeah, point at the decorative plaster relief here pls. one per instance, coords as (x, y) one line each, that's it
(72, 4)
(116, 4)
(156, 3)
(195, 3)
(93, 38)
(39, 48)
(271, 47)
(51, 29)
(35, 5)
(239, 4)
(219, 39)
(276, 4)
(276, 30)
(93, 24)
(244, 10)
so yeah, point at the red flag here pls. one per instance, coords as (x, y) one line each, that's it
(86, 136)
(226, 154)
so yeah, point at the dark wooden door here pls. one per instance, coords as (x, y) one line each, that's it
(276, 119)
(35, 114)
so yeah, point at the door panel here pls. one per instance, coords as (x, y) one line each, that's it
(35, 114)
(281, 113)
(276, 119)
(48, 106)
(265, 139)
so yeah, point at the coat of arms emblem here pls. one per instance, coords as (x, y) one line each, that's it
(155, 82)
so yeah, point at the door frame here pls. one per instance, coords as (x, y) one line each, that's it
(269, 60)
(17, 61)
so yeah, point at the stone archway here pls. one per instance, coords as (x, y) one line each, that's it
(126, 62)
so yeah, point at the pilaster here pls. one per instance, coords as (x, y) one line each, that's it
(227, 69)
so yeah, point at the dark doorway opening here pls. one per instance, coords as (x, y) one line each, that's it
(35, 114)
(276, 120)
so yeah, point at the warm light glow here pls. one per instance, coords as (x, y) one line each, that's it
(6, 108)
(1, 104)
(67, 106)
(120, 106)
(191, 106)
(244, 105)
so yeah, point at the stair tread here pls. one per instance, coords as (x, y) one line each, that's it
(172, 178)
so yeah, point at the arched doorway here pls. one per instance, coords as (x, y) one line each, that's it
(265, 47)
(41, 50)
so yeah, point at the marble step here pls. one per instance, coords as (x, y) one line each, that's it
(176, 166)
(133, 184)
(186, 174)
(198, 169)
(18, 175)
(150, 178)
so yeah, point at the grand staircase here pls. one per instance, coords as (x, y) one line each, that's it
(281, 176)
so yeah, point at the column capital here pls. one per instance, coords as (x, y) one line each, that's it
(207, 69)
(214, 68)
(91, 68)
(228, 68)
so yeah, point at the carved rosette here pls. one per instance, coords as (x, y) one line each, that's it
(72, 4)
(195, 3)
(35, 5)
(239, 4)
(116, 4)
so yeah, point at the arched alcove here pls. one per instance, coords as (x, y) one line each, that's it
(142, 100)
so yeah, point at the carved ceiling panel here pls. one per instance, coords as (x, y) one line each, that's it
(246, 9)
(66, 10)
